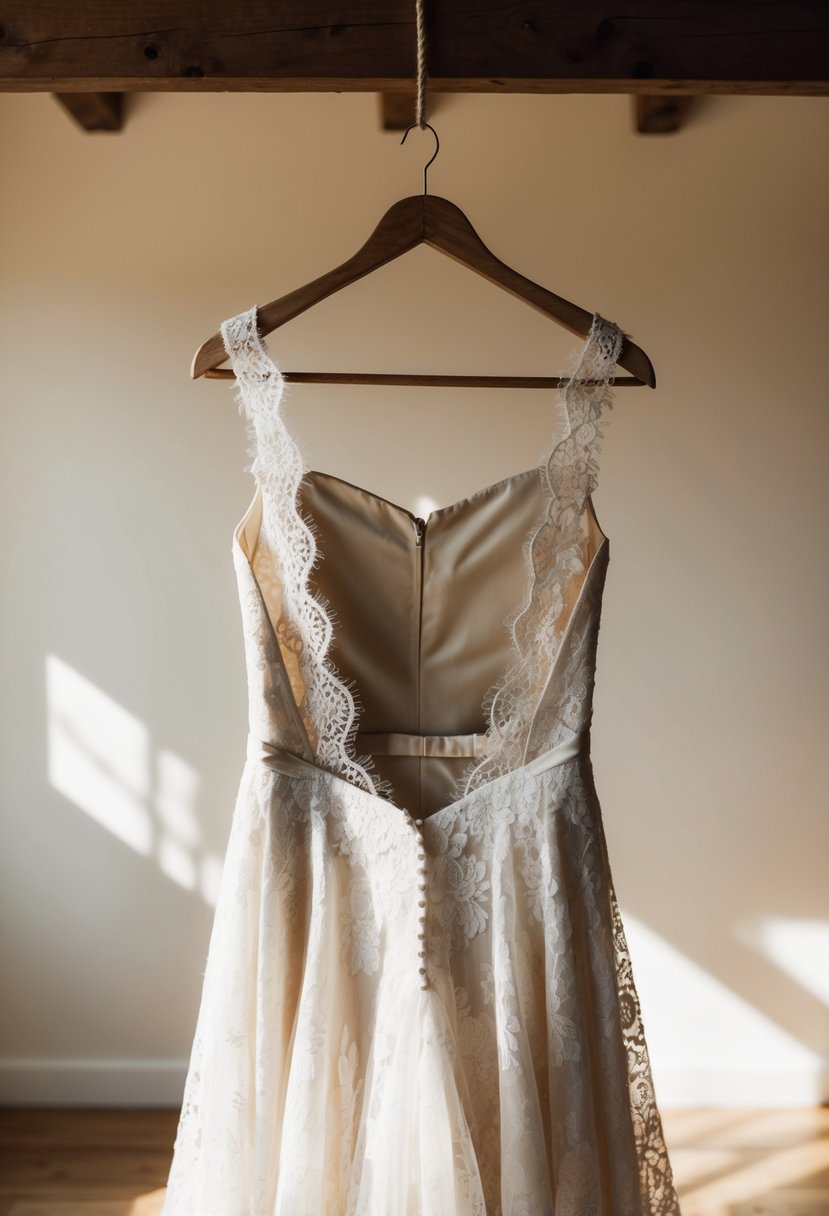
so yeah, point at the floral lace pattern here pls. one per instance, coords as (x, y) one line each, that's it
(514, 1079)
(553, 554)
(286, 555)
(323, 1080)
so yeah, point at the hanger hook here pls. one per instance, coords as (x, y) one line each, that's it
(434, 154)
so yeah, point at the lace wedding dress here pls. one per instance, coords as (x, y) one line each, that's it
(418, 997)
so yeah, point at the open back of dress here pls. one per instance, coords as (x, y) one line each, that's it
(418, 998)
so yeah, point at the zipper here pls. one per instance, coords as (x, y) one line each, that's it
(420, 533)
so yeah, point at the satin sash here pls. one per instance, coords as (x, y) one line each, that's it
(283, 761)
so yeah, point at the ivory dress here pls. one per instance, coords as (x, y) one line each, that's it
(418, 997)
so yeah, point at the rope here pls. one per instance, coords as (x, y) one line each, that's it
(420, 106)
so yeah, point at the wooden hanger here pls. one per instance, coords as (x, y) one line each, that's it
(424, 220)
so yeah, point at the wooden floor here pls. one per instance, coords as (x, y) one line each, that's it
(115, 1162)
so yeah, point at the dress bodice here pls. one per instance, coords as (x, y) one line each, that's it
(420, 658)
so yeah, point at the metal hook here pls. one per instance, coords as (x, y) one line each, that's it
(434, 154)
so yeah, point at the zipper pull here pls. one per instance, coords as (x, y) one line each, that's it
(420, 528)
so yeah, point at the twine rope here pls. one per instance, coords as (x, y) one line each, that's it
(420, 105)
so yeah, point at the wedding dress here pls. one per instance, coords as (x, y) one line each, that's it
(418, 997)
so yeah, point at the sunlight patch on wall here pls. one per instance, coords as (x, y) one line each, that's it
(800, 948)
(709, 1045)
(177, 788)
(98, 755)
(101, 757)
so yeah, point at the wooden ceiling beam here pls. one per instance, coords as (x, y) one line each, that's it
(659, 115)
(94, 111)
(397, 111)
(479, 46)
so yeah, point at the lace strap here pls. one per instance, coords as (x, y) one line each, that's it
(570, 467)
(553, 553)
(329, 705)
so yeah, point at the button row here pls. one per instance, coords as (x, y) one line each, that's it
(421, 903)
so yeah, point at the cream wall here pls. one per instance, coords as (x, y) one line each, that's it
(124, 710)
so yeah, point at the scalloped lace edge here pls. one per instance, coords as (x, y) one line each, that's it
(553, 555)
(331, 704)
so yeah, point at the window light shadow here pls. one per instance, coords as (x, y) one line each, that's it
(764, 1057)
(800, 948)
(100, 757)
(759, 1163)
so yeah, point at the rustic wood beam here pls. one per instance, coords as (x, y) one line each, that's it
(658, 115)
(94, 111)
(397, 111)
(492, 46)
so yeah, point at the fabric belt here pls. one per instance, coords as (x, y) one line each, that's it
(284, 761)
(398, 743)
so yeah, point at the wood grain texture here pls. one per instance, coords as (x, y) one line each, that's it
(653, 46)
(56, 1162)
(440, 223)
(416, 380)
(94, 111)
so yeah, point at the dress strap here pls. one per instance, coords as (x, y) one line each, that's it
(326, 703)
(554, 554)
(572, 463)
